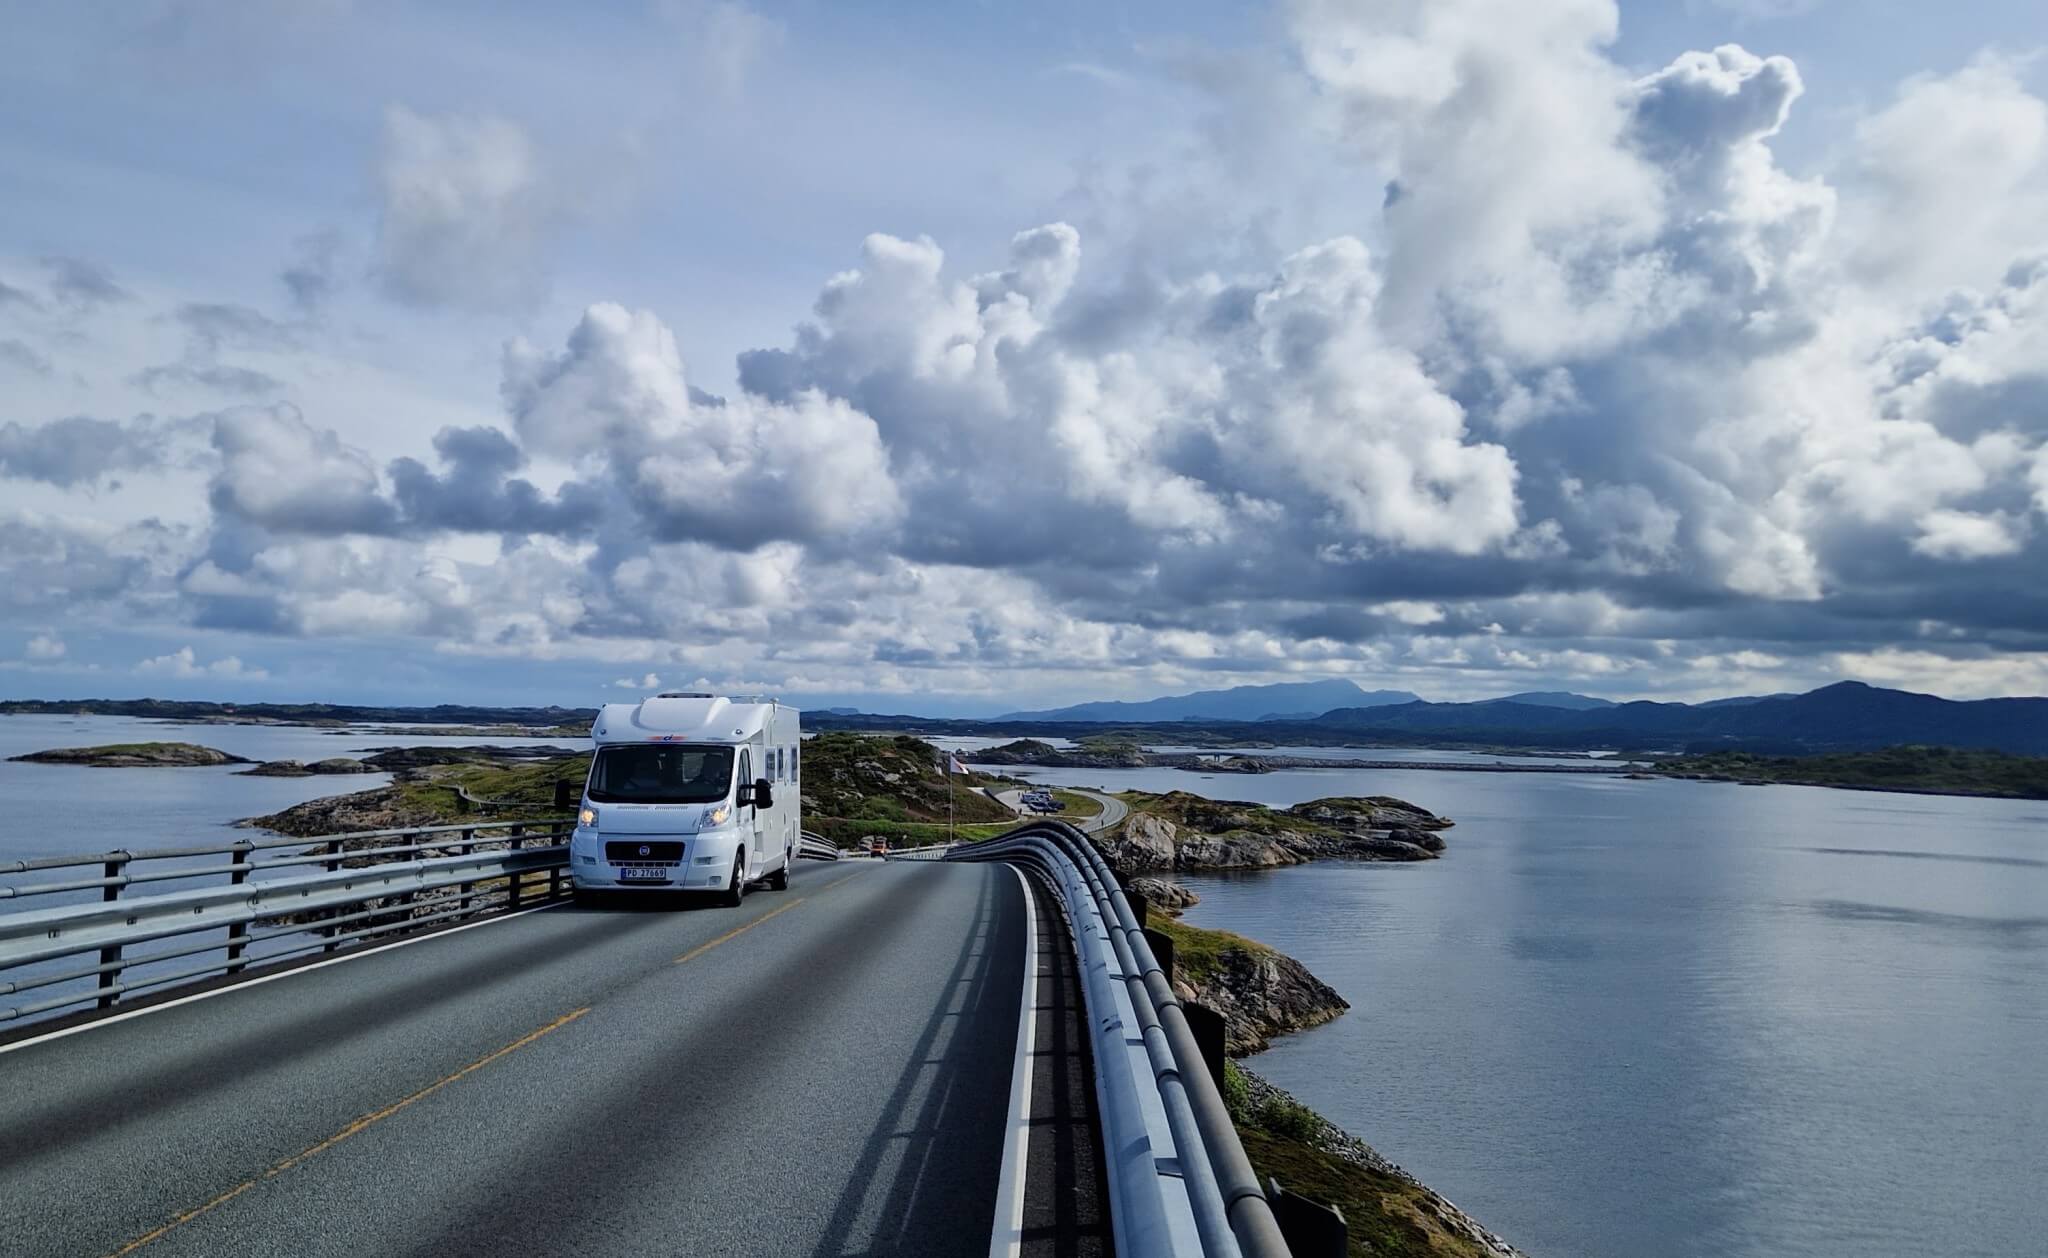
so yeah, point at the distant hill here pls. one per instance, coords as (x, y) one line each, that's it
(1239, 703)
(1556, 699)
(1845, 716)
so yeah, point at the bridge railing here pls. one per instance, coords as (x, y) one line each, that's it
(816, 847)
(272, 899)
(1179, 1179)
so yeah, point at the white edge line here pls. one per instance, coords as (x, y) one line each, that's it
(1007, 1240)
(266, 978)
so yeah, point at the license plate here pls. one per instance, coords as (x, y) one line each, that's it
(645, 873)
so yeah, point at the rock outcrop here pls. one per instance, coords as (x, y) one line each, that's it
(1146, 842)
(1180, 831)
(300, 769)
(134, 756)
(382, 808)
(1260, 993)
(1263, 995)
(1164, 894)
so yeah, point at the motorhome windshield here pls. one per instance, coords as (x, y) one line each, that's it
(661, 773)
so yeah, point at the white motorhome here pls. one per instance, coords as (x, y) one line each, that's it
(690, 792)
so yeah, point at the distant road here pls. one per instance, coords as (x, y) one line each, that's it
(825, 1070)
(1112, 813)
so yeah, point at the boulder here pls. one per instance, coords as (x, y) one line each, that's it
(1147, 842)
(1164, 894)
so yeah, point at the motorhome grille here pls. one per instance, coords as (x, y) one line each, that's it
(631, 852)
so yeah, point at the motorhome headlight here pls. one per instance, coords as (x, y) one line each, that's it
(588, 817)
(716, 815)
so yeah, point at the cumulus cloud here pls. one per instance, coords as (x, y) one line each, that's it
(651, 681)
(738, 474)
(279, 472)
(82, 451)
(1596, 389)
(478, 493)
(44, 647)
(185, 663)
(465, 210)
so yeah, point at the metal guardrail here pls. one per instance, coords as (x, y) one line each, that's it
(929, 852)
(816, 847)
(366, 883)
(1180, 1182)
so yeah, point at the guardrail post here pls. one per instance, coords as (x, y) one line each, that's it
(562, 796)
(1141, 909)
(239, 858)
(1209, 1027)
(1312, 1229)
(117, 864)
(1162, 951)
(556, 835)
(332, 863)
(468, 849)
(512, 882)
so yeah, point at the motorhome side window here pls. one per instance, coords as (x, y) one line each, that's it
(660, 773)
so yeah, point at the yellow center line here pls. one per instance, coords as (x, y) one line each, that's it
(352, 1129)
(736, 932)
(836, 881)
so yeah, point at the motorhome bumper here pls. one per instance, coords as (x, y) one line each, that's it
(615, 862)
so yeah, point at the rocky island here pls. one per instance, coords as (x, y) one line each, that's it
(134, 756)
(1182, 831)
(301, 769)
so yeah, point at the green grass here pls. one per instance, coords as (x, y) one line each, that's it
(1079, 807)
(1197, 952)
(894, 779)
(1385, 1214)
(529, 788)
(1949, 770)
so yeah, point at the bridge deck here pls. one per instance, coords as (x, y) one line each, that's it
(824, 1071)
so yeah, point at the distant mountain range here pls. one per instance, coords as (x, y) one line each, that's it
(1845, 716)
(1293, 700)
(1556, 699)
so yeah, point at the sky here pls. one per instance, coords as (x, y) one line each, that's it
(956, 358)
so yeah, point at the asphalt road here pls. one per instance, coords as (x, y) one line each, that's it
(825, 1070)
(1112, 815)
(1113, 810)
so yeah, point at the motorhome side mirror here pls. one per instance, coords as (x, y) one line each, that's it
(745, 797)
(764, 794)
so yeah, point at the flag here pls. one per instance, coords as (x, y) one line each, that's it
(953, 764)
